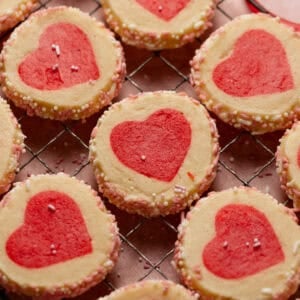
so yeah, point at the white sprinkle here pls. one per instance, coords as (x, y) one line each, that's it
(55, 67)
(52, 246)
(225, 244)
(296, 247)
(267, 291)
(143, 157)
(256, 243)
(74, 68)
(108, 264)
(51, 207)
(56, 48)
(247, 244)
(160, 8)
(179, 189)
(54, 251)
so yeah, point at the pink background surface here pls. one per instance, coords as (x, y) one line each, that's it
(147, 245)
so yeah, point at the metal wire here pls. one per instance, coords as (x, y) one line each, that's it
(153, 268)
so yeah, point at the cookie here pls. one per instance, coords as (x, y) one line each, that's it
(234, 245)
(14, 11)
(61, 64)
(151, 289)
(158, 24)
(247, 73)
(288, 163)
(11, 146)
(57, 238)
(154, 153)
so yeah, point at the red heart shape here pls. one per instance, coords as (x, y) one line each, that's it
(54, 231)
(257, 66)
(245, 243)
(164, 9)
(155, 147)
(63, 59)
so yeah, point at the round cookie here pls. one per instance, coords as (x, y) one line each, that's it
(154, 153)
(14, 11)
(158, 24)
(151, 289)
(11, 146)
(57, 238)
(242, 250)
(288, 163)
(248, 73)
(61, 64)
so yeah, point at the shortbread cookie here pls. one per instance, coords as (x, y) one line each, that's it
(154, 153)
(247, 73)
(11, 146)
(57, 238)
(14, 11)
(288, 163)
(61, 64)
(239, 244)
(158, 24)
(152, 289)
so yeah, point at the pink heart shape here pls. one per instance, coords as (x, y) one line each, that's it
(54, 231)
(63, 59)
(155, 147)
(245, 243)
(164, 9)
(257, 66)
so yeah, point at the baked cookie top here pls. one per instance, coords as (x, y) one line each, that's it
(62, 64)
(151, 289)
(11, 146)
(57, 239)
(288, 163)
(154, 153)
(247, 73)
(242, 249)
(158, 24)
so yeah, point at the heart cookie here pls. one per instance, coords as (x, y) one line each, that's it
(246, 73)
(57, 225)
(145, 148)
(158, 24)
(242, 250)
(165, 143)
(14, 11)
(69, 68)
(288, 163)
(237, 224)
(152, 289)
(11, 146)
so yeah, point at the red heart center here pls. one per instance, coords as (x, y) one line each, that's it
(63, 59)
(245, 243)
(54, 231)
(164, 9)
(156, 147)
(257, 66)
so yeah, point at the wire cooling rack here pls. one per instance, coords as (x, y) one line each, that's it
(147, 245)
